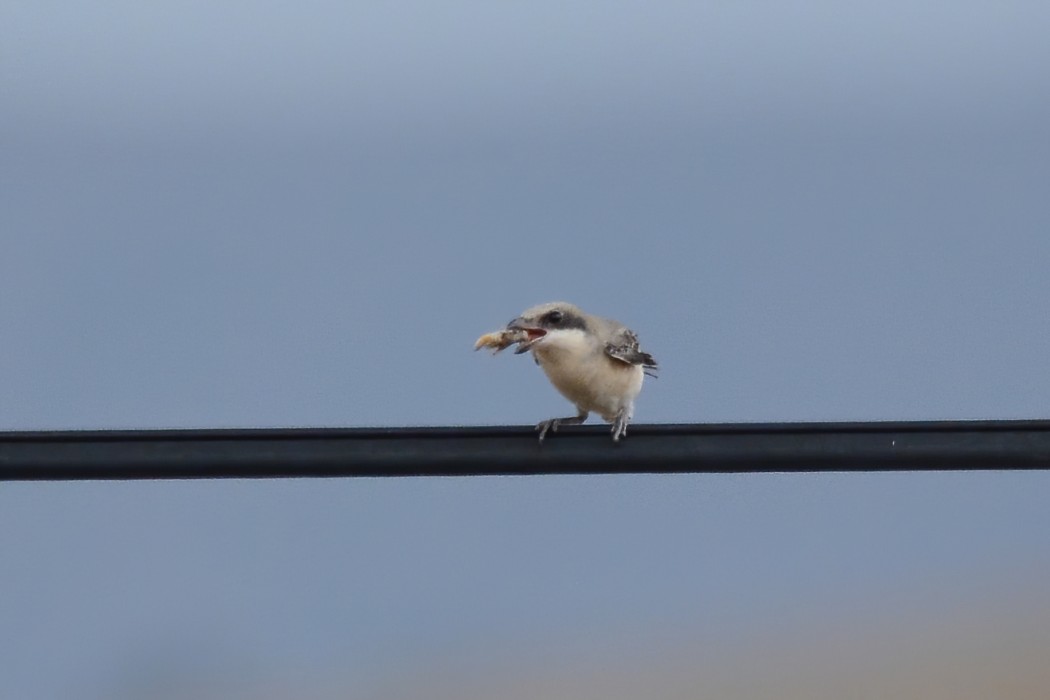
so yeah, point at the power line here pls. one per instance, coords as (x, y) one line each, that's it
(472, 451)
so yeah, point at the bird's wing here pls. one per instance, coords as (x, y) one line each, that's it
(623, 347)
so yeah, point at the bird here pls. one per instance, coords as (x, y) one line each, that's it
(594, 362)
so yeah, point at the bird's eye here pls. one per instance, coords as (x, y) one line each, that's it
(555, 316)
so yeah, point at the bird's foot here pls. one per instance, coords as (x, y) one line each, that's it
(551, 424)
(619, 428)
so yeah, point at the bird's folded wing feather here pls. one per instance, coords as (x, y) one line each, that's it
(624, 347)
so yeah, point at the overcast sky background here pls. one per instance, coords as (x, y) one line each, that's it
(271, 214)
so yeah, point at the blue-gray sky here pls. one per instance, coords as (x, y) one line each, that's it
(262, 214)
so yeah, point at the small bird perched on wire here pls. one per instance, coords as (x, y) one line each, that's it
(594, 362)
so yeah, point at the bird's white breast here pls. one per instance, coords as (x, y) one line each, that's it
(578, 367)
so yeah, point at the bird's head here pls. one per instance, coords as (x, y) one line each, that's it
(540, 321)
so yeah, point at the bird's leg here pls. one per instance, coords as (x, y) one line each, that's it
(619, 428)
(552, 424)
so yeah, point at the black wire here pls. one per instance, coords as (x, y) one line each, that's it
(472, 451)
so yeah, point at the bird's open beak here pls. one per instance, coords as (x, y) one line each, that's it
(532, 332)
